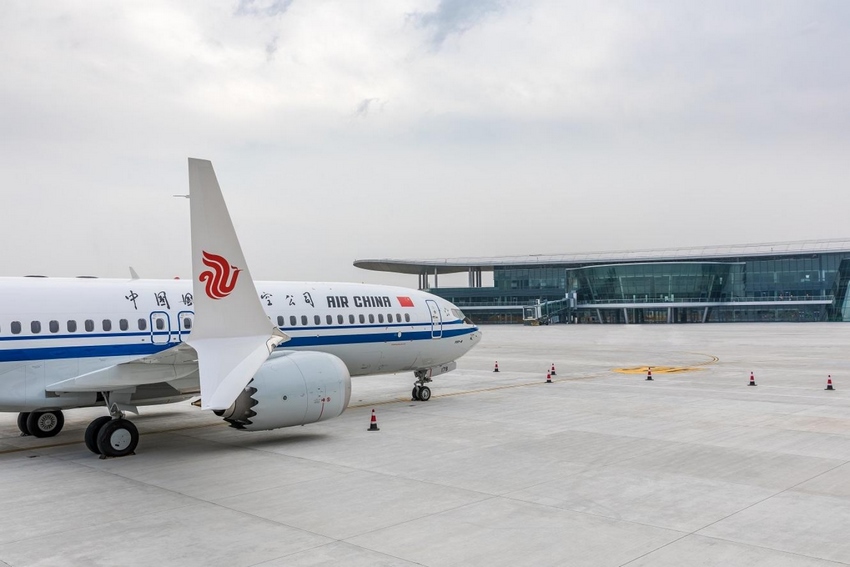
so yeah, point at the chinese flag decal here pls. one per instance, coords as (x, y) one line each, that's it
(405, 301)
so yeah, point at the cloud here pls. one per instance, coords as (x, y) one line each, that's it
(267, 8)
(271, 47)
(454, 17)
(368, 105)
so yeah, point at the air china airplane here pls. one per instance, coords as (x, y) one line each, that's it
(261, 355)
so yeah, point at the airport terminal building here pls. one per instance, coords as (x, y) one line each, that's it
(786, 281)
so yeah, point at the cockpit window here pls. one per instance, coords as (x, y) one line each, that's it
(459, 314)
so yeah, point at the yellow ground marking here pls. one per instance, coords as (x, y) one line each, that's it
(669, 369)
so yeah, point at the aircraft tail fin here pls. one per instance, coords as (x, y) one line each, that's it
(231, 334)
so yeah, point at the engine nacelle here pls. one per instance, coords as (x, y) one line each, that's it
(293, 388)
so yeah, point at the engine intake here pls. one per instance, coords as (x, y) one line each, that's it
(292, 388)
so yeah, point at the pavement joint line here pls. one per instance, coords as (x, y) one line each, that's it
(430, 515)
(765, 499)
(577, 380)
(758, 546)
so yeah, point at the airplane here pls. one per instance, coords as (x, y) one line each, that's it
(261, 355)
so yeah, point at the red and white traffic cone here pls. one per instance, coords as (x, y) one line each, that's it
(548, 378)
(649, 374)
(373, 425)
(829, 382)
(752, 380)
(553, 373)
(496, 368)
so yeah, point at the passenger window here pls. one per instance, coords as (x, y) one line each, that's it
(371, 318)
(304, 320)
(107, 325)
(280, 321)
(143, 324)
(54, 326)
(317, 320)
(340, 320)
(380, 317)
(123, 324)
(16, 327)
(35, 327)
(329, 319)
(351, 319)
(292, 320)
(362, 318)
(72, 326)
(407, 317)
(187, 323)
(398, 317)
(389, 317)
(89, 325)
(160, 324)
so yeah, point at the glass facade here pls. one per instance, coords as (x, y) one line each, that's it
(658, 282)
(810, 286)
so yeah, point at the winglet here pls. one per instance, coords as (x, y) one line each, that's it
(231, 334)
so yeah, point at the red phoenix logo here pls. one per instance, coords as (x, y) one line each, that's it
(222, 279)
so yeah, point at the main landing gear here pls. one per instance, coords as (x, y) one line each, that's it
(421, 392)
(41, 423)
(112, 435)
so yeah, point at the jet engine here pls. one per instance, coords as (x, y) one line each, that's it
(292, 388)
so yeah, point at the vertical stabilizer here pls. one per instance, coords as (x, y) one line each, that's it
(232, 334)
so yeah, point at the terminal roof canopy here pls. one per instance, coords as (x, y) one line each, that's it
(487, 263)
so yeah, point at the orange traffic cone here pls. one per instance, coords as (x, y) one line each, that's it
(752, 380)
(496, 369)
(548, 378)
(829, 382)
(553, 373)
(373, 425)
(649, 374)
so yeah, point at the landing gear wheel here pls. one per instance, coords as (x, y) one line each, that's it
(425, 393)
(91, 433)
(22, 423)
(415, 393)
(118, 438)
(45, 423)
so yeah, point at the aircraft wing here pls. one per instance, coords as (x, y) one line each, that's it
(180, 361)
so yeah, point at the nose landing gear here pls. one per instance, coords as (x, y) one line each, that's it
(421, 392)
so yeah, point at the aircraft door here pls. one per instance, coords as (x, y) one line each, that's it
(436, 319)
(160, 328)
(185, 320)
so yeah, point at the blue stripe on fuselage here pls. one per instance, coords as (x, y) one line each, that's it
(102, 351)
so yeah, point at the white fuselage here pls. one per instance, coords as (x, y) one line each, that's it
(52, 329)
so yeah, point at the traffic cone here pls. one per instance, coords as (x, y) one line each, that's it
(548, 378)
(496, 369)
(373, 425)
(553, 373)
(752, 380)
(829, 382)
(649, 374)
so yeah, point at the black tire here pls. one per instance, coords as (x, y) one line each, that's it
(415, 393)
(91, 433)
(45, 423)
(117, 438)
(425, 393)
(22, 423)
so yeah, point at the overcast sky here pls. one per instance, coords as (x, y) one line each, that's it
(343, 130)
